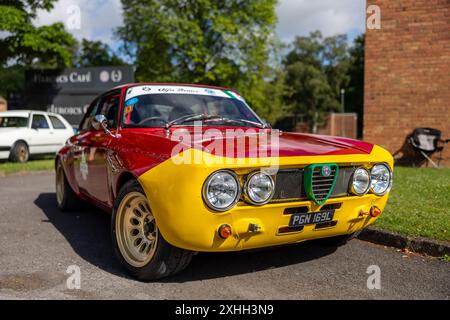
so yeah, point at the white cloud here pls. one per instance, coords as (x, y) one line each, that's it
(98, 18)
(299, 17)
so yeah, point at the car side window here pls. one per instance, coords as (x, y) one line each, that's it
(39, 122)
(86, 124)
(56, 123)
(109, 106)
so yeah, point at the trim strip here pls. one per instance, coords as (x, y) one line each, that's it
(5, 148)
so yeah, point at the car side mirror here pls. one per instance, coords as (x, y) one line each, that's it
(100, 122)
(266, 123)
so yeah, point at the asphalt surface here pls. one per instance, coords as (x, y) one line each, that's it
(38, 243)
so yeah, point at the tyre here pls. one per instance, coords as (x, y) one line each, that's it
(66, 198)
(338, 240)
(19, 152)
(137, 241)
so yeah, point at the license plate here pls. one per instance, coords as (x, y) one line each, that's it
(303, 219)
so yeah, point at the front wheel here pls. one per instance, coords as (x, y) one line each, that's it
(19, 152)
(137, 241)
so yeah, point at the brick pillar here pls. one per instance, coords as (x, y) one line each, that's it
(407, 73)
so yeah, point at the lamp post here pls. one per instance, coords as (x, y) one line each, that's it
(343, 100)
(343, 111)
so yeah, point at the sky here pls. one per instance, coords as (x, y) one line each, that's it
(98, 18)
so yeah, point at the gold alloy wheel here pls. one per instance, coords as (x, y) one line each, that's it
(22, 153)
(136, 230)
(59, 184)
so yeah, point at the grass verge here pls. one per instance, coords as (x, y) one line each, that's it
(419, 203)
(32, 165)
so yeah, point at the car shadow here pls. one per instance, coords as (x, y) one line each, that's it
(88, 234)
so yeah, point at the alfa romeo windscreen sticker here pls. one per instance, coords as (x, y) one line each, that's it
(150, 89)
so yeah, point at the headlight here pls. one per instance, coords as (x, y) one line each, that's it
(259, 188)
(381, 179)
(221, 190)
(360, 182)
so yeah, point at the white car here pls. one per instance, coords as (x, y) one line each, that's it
(24, 133)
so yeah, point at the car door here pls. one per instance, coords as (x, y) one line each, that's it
(94, 146)
(79, 163)
(60, 132)
(40, 135)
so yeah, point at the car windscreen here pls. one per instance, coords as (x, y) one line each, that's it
(13, 122)
(156, 106)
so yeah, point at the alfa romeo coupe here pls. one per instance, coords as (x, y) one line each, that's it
(190, 168)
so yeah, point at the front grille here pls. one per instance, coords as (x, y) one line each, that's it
(321, 185)
(289, 184)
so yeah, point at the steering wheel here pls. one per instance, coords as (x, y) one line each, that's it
(152, 119)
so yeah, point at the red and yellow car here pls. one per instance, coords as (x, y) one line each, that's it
(191, 168)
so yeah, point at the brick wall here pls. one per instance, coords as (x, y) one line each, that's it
(407, 73)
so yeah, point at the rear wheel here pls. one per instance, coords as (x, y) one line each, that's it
(19, 152)
(137, 241)
(66, 198)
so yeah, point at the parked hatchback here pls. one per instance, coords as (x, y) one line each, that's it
(24, 133)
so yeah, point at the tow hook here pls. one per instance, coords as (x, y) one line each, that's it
(253, 227)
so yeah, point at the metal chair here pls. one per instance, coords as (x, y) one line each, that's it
(427, 141)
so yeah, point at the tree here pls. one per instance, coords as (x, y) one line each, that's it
(95, 54)
(223, 43)
(315, 72)
(12, 79)
(25, 44)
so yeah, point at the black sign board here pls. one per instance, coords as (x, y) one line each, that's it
(69, 91)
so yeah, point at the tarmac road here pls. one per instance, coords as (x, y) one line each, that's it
(38, 243)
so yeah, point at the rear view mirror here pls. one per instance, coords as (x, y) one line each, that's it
(100, 122)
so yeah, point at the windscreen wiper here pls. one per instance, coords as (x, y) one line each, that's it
(189, 118)
(224, 119)
(208, 118)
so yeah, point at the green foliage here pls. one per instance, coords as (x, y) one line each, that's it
(45, 46)
(315, 69)
(30, 6)
(95, 54)
(419, 204)
(12, 79)
(223, 43)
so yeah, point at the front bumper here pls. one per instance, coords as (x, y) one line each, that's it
(174, 193)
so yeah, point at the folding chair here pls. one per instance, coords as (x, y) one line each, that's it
(427, 141)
